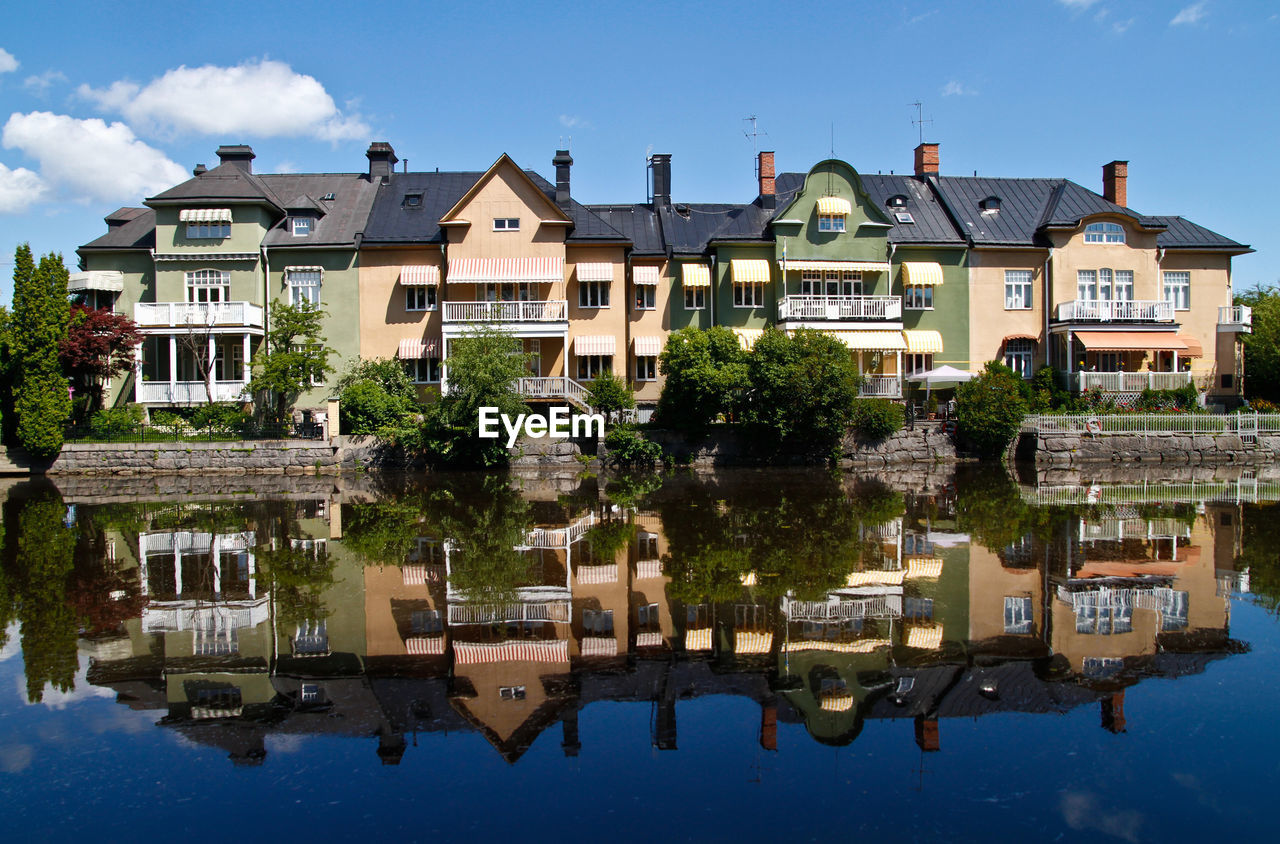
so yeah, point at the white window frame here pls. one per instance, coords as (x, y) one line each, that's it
(593, 294)
(811, 283)
(209, 231)
(593, 365)
(1123, 289)
(1020, 358)
(917, 297)
(508, 291)
(423, 370)
(913, 363)
(1104, 233)
(301, 226)
(1178, 282)
(1018, 290)
(208, 280)
(831, 223)
(1087, 285)
(1019, 615)
(421, 297)
(646, 297)
(222, 343)
(646, 367)
(304, 285)
(748, 294)
(695, 298)
(506, 224)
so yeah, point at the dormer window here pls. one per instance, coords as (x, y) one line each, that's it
(832, 211)
(506, 224)
(413, 200)
(1104, 233)
(897, 201)
(830, 223)
(990, 205)
(301, 226)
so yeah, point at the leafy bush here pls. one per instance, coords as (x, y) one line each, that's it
(990, 409)
(608, 394)
(1185, 397)
(166, 419)
(705, 372)
(366, 408)
(876, 419)
(222, 417)
(801, 388)
(115, 423)
(1263, 406)
(388, 373)
(628, 447)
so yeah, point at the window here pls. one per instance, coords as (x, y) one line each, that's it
(646, 368)
(1177, 289)
(311, 693)
(830, 222)
(1174, 608)
(830, 283)
(425, 622)
(1087, 285)
(1104, 284)
(413, 200)
(695, 298)
(301, 226)
(1017, 615)
(748, 294)
(1017, 356)
(646, 546)
(917, 363)
(1104, 233)
(647, 617)
(506, 224)
(1123, 290)
(1017, 290)
(645, 296)
(208, 231)
(917, 609)
(508, 292)
(423, 370)
(208, 286)
(304, 286)
(917, 545)
(904, 217)
(597, 622)
(1102, 666)
(95, 300)
(918, 297)
(228, 359)
(420, 298)
(593, 294)
(511, 692)
(590, 366)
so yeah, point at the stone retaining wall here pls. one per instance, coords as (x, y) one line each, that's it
(1177, 449)
(278, 457)
(925, 443)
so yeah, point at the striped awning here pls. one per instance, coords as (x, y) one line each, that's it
(484, 270)
(647, 346)
(111, 281)
(925, 638)
(205, 215)
(871, 341)
(924, 567)
(748, 642)
(748, 579)
(646, 275)
(595, 344)
(1194, 348)
(696, 275)
(921, 342)
(415, 349)
(840, 702)
(474, 653)
(414, 575)
(834, 205)
(599, 646)
(588, 575)
(424, 645)
(602, 271)
(875, 578)
(747, 337)
(698, 640)
(1033, 338)
(750, 270)
(419, 275)
(852, 266)
(921, 273)
(1132, 341)
(646, 569)
(649, 639)
(859, 646)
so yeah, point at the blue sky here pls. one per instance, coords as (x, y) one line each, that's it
(101, 105)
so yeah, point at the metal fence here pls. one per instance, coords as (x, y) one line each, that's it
(1244, 424)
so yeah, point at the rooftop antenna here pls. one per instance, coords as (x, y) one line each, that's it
(920, 121)
(754, 135)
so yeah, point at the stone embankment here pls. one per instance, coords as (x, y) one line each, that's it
(924, 443)
(267, 457)
(1175, 449)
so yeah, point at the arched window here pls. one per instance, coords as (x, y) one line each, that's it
(1018, 352)
(1104, 233)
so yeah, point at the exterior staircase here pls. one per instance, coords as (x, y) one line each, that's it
(554, 389)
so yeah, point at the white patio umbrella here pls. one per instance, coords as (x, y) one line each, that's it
(941, 377)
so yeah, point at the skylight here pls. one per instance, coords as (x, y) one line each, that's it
(904, 217)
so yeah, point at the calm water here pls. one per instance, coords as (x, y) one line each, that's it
(743, 655)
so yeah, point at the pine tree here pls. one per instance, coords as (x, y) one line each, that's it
(41, 311)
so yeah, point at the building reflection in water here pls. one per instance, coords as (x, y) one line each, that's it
(828, 604)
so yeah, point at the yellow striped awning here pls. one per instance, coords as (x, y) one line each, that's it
(747, 337)
(647, 346)
(851, 266)
(750, 270)
(600, 344)
(646, 275)
(205, 215)
(602, 271)
(920, 342)
(840, 702)
(698, 640)
(871, 341)
(921, 273)
(696, 275)
(875, 578)
(747, 642)
(475, 653)
(924, 567)
(422, 275)
(748, 579)
(834, 205)
(858, 646)
(925, 638)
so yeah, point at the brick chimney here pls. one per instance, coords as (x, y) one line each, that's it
(240, 155)
(769, 724)
(1115, 182)
(562, 162)
(660, 163)
(927, 160)
(927, 738)
(1113, 713)
(764, 167)
(382, 161)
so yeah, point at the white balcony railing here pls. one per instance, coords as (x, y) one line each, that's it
(186, 392)
(553, 388)
(1115, 310)
(840, 307)
(551, 310)
(557, 611)
(881, 386)
(1235, 318)
(184, 314)
(1128, 382)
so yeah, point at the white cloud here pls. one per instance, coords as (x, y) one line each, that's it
(7, 62)
(19, 190)
(40, 85)
(258, 97)
(1190, 15)
(955, 89)
(91, 158)
(572, 121)
(1121, 27)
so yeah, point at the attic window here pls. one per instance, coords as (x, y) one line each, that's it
(1104, 233)
(991, 203)
(897, 201)
(904, 217)
(413, 200)
(301, 226)
(328, 197)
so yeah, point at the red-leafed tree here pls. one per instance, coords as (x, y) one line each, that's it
(98, 346)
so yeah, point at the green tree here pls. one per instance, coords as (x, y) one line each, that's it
(293, 357)
(41, 311)
(802, 388)
(706, 370)
(1262, 347)
(43, 566)
(609, 394)
(377, 398)
(990, 408)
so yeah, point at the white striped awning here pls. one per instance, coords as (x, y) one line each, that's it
(871, 341)
(925, 638)
(595, 344)
(748, 642)
(475, 653)
(598, 574)
(203, 713)
(695, 275)
(698, 640)
(921, 342)
(599, 646)
(595, 272)
(834, 205)
(924, 567)
(646, 275)
(483, 270)
(840, 702)
(205, 215)
(858, 646)
(747, 337)
(918, 273)
(646, 569)
(875, 578)
(850, 266)
(649, 639)
(419, 275)
(418, 348)
(424, 645)
(414, 575)
(750, 270)
(111, 281)
(647, 346)
(748, 579)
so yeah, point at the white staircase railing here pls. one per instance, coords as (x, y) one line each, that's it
(554, 388)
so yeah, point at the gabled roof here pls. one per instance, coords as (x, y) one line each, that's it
(138, 233)
(487, 176)
(339, 219)
(224, 183)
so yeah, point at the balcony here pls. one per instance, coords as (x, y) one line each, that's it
(1115, 310)
(551, 310)
(202, 314)
(186, 392)
(1236, 319)
(880, 387)
(1128, 382)
(555, 389)
(846, 308)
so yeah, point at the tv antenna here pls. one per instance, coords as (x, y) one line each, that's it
(754, 135)
(919, 119)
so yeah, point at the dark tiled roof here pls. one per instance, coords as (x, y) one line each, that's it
(344, 216)
(637, 223)
(688, 228)
(932, 225)
(586, 224)
(222, 183)
(138, 233)
(1022, 208)
(1181, 233)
